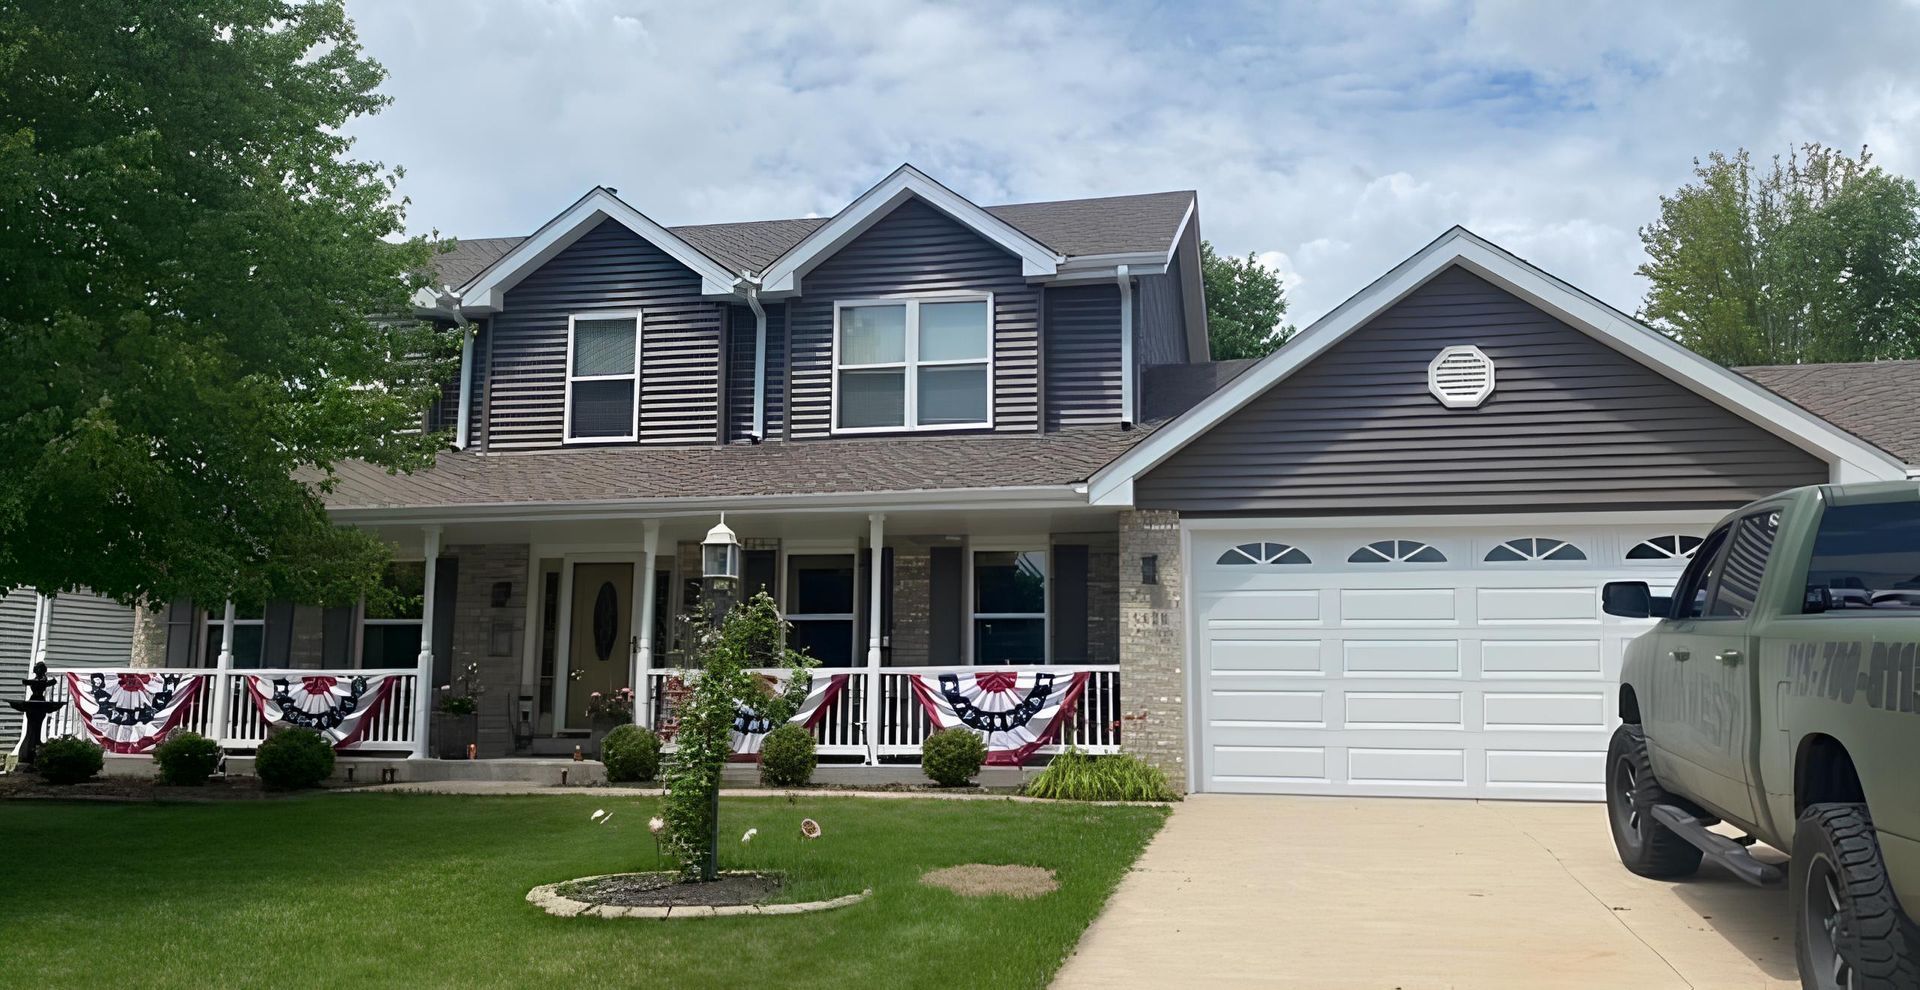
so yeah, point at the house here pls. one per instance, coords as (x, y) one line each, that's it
(75, 630)
(955, 438)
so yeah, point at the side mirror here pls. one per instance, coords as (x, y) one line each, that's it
(1819, 599)
(1627, 599)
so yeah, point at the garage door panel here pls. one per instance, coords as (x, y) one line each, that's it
(1567, 604)
(1261, 708)
(1545, 710)
(1298, 605)
(1398, 709)
(1397, 604)
(1274, 764)
(1545, 768)
(1238, 653)
(1407, 766)
(1387, 657)
(1529, 657)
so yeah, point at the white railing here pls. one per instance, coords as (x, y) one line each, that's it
(391, 726)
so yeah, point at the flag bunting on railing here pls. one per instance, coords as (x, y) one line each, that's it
(338, 707)
(1016, 712)
(131, 713)
(750, 728)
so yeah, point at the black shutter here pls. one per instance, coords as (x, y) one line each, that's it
(276, 635)
(336, 637)
(1069, 603)
(946, 605)
(757, 568)
(446, 583)
(181, 620)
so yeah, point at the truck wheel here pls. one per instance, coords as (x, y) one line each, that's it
(1646, 847)
(1849, 932)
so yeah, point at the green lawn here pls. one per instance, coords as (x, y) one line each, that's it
(388, 889)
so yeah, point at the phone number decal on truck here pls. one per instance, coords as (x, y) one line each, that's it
(1832, 670)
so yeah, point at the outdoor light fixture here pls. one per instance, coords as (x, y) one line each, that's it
(720, 553)
(1150, 568)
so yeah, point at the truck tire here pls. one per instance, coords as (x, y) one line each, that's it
(1646, 847)
(1849, 931)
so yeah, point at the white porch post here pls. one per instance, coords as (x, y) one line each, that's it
(423, 683)
(643, 656)
(876, 538)
(222, 690)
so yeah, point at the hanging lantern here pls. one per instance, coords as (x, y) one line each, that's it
(720, 553)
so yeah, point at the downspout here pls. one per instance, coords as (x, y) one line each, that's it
(759, 357)
(450, 300)
(1125, 280)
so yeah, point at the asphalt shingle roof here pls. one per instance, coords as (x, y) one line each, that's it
(1877, 401)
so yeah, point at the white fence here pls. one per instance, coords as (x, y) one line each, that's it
(390, 728)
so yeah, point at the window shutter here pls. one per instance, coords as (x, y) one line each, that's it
(1069, 603)
(181, 619)
(276, 635)
(946, 605)
(446, 583)
(336, 637)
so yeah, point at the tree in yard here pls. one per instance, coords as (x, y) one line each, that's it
(201, 294)
(1245, 304)
(1816, 258)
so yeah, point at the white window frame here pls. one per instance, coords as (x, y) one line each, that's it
(360, 627)
(217, 619)
(1041, 545)
(911, 364)
(566, 413)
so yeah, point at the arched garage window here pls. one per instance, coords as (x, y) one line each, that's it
(1674, 547)
(1532, 548)
(1396, 552)
(1263, 553)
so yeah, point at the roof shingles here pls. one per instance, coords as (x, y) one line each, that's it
(1875, 401)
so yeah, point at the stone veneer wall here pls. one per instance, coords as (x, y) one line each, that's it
(474, 619)
(149, 637)
(912, 606)
(1153, 645)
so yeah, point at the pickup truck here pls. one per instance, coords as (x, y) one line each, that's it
(1775, 696)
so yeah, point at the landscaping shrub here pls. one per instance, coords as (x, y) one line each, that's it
(631, 753)
(187, 759)
(951, 757)
(294, 759)
(1075, 776)
(787, 757)
(68, 760)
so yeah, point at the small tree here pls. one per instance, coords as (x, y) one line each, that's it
(1245, 306)
(725, 656)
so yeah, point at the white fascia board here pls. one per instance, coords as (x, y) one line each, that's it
(966, 499)
(1103, 275)
(486, 292)
(785, 274)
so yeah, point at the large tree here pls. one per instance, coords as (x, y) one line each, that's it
(202, 295)
(1245, 306)
(1815, 258)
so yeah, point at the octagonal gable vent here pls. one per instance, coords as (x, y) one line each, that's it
(1461, 377)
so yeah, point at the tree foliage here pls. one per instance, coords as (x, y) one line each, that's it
(1245, 306)
(198, 289)
(1815, 258)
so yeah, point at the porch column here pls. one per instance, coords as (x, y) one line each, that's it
(876, 538)
(222, 690)
(643, 656)
(423, 684)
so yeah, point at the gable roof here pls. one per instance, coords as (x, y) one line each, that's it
(1852, 458)
(1871, 400)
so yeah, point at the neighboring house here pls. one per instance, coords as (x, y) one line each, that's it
(77, 629)
(953, 437)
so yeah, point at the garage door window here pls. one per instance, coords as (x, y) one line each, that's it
(1664, 548)
(1397, 552)
(1263, 553)
(1534, 548)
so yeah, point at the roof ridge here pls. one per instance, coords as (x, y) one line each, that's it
(1877, 362)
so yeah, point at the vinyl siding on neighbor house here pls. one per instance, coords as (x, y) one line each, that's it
(1573, 424)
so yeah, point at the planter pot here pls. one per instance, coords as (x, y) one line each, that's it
(599, 728)
(452, 734)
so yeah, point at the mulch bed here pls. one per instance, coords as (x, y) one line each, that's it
(669, 890)
(29, 785)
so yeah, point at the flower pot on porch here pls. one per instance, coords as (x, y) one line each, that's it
(599, 727)
(452, 734)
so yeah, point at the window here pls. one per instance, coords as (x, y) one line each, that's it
(249, 636)
(390, 633)
(1534, 548)
(915, 364)
(1672, 547)
(1397, 552)
(603, 359)
(1009, 606)
(1690, 595)
(1869, 556)
(1744, 566)
(820, 610)
(1263, 553)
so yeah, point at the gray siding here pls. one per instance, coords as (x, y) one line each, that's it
(610, 268)
(917, 249)
(1082, 330)
(1573, 424)
(89, 631)
(1160, 320)
(740, 341)
(16, 641)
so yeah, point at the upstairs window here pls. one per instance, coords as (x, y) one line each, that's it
(603, 359)
(913, 364)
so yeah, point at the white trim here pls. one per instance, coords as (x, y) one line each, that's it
(566, 409)
(486, 292)
(785, 273)
(910, 363)
(1124, 279)
(1514, 520)
(1852, 459)
(932, 499)
(1479, 395)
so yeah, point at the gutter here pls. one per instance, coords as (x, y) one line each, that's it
(1009, 498)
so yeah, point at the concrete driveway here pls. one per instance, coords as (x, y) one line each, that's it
(1388, 893)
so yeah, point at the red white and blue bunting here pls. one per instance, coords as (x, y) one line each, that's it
(1016, 712)
(132, 712)
(337, 707)
(750, 728)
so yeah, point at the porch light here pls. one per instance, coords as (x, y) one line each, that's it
(720, 553)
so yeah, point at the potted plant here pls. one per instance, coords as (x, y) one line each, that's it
(605, 712)
(456, 717)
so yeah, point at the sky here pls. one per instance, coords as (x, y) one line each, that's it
(1330, 140)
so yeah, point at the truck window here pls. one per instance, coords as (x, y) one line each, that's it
(1745, 565)
(1690, 595)
(1868, 556)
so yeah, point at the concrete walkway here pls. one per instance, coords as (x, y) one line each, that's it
(1333, 893)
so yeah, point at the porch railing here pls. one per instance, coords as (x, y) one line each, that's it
(390, 729)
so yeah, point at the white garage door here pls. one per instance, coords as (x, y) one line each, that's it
(1445, 660)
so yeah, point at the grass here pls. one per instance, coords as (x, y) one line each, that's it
(418, 890)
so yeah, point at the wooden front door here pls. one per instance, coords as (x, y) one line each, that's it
(599, 653)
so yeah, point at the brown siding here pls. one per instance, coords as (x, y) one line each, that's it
(1573, 424)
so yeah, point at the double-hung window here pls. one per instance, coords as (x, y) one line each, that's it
(249, 636)
(390, 631)
(913, 364)
(820, 606)
(1010, 606)
(603, 384)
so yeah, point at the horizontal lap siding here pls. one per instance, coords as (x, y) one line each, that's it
(610, 268)
(1083, 355)
(16, 642)
(89, 631)
(916, 249)
(740, 345)
(1572, 424)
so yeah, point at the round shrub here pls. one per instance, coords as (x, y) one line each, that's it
(631, 753)
(951, 757)
(187, 759)
(787, 757)
(68, 760)
(294, 759)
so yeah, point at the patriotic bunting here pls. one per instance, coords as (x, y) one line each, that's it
(1016, 712)
(337, 707)
(750, 729)
(132, 712)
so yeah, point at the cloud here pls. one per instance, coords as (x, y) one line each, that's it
(1331, 140)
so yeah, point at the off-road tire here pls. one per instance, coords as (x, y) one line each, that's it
(1646, 847)
(1847, 921)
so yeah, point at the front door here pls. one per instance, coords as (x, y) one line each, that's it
(599, 644)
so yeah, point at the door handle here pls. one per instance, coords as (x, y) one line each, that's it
(1681, 655)
(1729, 657)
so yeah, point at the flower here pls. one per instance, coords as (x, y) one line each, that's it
(809, 828)
(749, 836)
(656, 825)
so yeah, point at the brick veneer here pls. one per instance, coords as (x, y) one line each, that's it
(1153, 644)
(474, 617)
